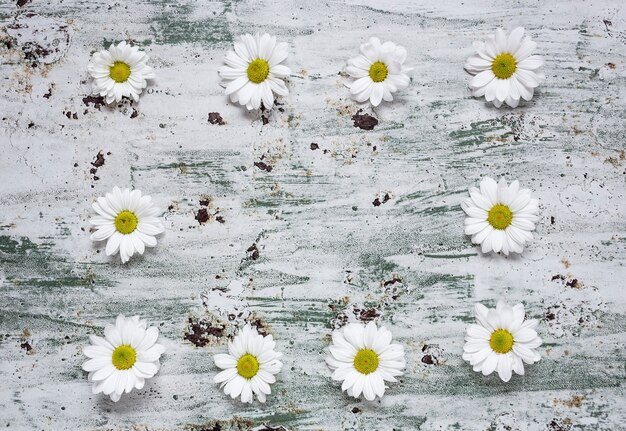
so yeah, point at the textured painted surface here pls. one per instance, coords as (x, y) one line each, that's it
(300, 238)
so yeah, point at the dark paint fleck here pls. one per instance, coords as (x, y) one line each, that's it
(99, 160)
(216, 118)
(254, 252)
(430, 354)
(263, 166)
(392, 281)
(364, 121)
(368, 315)
(202, 216)
(96, 101)
(200, 332)
(574, 283)
(260, 326)
(559, 425)
(377, 202)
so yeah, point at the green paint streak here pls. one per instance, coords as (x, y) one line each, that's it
(68, 281)
(198, 171)
(459, 286)
(429, 194)
(106, 43)
(28, 265)
(14, 320)
(449, 256)
(304, 317)
(284, 418)
(275, 203)
(476, 134)
(273, 278)
(175, 24)
(458, 379)
(19, 248)
(443, 209)
(377, 265)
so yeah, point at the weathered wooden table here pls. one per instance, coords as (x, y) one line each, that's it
(306, 222)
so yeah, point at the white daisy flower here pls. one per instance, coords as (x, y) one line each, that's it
(500, 217)
(249, 366)
(120, 71)
(128, 221)
(505, 68)
(253, 72)
(501, 341)
(363, 358)
(378, 72)
(124, 358)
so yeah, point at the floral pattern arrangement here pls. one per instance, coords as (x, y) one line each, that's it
(500, 218)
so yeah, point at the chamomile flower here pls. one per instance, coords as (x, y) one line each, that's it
(120, 71)
(505, 68)
(250, 366)
(123, 360)
(253, 71)
(500, 217)
(502, 340)
(127, 221)
(378, 72)
(363, 358)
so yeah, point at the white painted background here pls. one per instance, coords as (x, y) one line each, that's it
(324, 249)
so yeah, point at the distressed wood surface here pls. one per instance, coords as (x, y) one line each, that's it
(300, 238)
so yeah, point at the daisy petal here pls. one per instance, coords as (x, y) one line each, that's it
(515, 39)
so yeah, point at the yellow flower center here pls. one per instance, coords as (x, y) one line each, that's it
(126, 222)
(499, 216)
(366, 361)
(258, 70)
(504, 65)
(247, 366)
(119, 72)
(378, 71)
(124, 357)
(501, 341)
